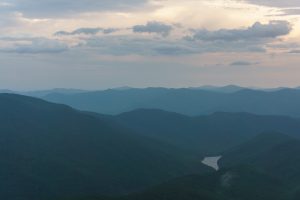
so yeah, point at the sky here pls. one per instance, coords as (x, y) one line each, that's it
(98, 44)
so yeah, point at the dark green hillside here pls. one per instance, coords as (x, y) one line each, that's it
(49, 151)
(264, 168)
(242, 183)
(207, 134)
(276, 154)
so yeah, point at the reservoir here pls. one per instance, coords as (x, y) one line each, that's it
(212, 162)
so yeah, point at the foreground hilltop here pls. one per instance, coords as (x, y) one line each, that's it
(50, 150)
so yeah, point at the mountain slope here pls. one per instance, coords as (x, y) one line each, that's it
(276, 154)
(264, 168)
(184, 101)
(210, 134)
(49, 150)
(243, 183)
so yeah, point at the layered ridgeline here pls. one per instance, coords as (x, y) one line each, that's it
(185, 101)
(211, 134)
(264, 168)
(49, 151)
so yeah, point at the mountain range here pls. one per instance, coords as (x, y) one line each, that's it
(188, 101)
(191, 102)
(53, 151)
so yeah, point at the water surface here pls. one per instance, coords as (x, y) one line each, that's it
(212, 162)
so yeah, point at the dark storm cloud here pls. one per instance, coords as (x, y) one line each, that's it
(257, 31)
(153, 27)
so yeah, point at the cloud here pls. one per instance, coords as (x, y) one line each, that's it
(141, 45)
(32, 45)
(286, 47)
(87, 31)
(153, 27)
(257, 31)
(134, 45)
(57, 8)
(295, 51)
(255, 38)
(252, 39)
(276, 3)
(290, 11)
(7, 21)
(110, 30)
(174, 50)
(5, 4)
(243, 63)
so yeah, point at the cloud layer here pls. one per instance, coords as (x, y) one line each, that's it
(87, 31)
(32, 46)
(57, 8)
(154, 27)
(255, 38)
(204, 40)
(243, 63)
(276, 3)
(256, 32)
